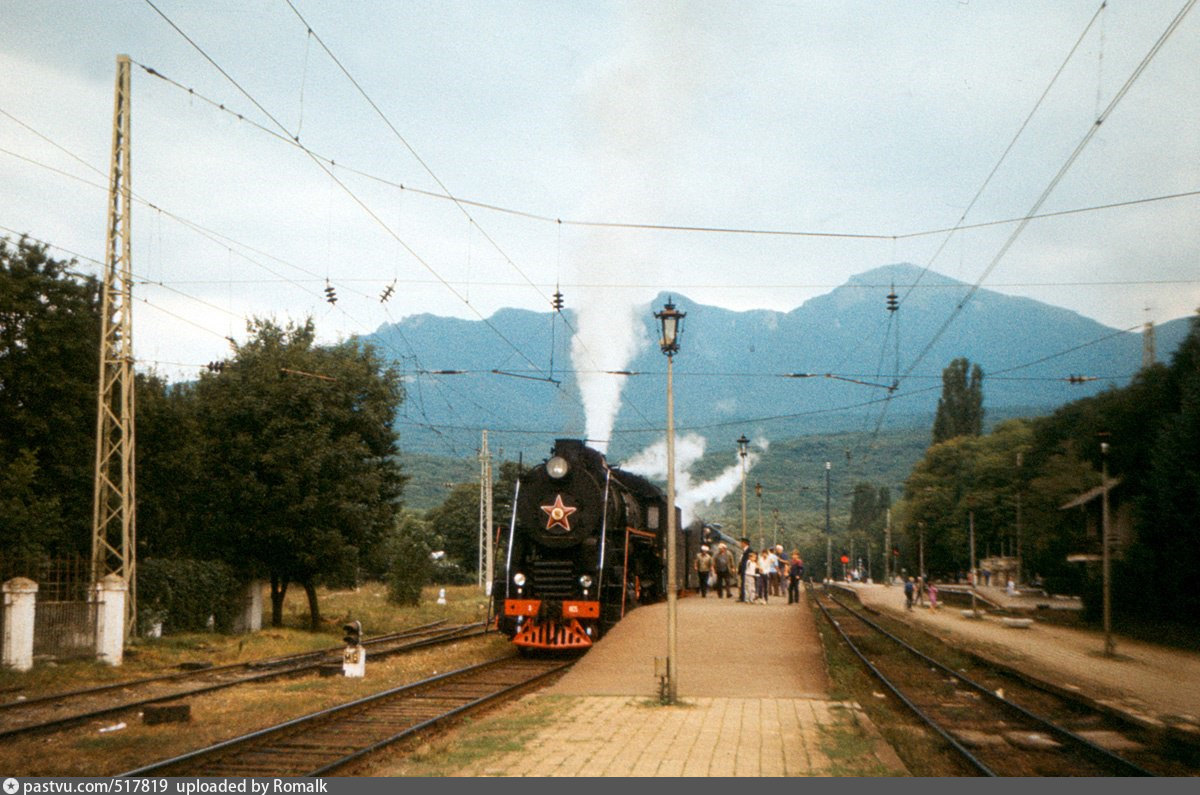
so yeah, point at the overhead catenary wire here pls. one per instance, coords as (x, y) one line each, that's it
(1057, 178)
(346, 189)
(713, 229)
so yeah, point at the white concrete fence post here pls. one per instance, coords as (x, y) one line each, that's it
(20, 601)
(109, 598)
(250, 619)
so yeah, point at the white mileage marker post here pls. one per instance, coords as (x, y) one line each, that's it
(354, 657)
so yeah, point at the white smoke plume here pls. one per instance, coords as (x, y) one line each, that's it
(689, 494)
(636, 103)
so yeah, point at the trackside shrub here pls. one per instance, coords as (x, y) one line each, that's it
(183, 594)
(410, 567)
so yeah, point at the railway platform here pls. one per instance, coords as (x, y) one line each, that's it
(754, 696)
(1154, 685)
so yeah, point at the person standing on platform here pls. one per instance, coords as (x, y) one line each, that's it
(933, 605)
(745, 542)
(764, 575)
(704, 563)
(908, 593)
(795, 574)
(920, 595)
(750, 578)
(723, 565)
(774, 566)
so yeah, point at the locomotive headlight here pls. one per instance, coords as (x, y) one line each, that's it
(585, 581)
(519, 579)
(557, 467)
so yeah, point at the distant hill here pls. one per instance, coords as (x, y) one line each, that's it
(732, 371)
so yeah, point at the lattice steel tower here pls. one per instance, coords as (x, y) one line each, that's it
(114, 526)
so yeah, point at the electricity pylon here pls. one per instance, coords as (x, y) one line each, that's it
(114, 525)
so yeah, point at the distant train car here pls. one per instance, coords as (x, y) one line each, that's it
(586, 544)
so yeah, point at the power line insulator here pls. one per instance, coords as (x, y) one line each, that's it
(557, 303)
(893, 301)
(330, 293)
(387, 293)
(215, 367)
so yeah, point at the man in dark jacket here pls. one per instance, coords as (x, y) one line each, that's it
(745, 542)
(723, 566)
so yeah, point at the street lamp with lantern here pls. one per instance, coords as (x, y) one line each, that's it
(671, 321)
(762, 540)
(742, 443)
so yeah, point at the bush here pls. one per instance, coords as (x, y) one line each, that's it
(410, 567)
(447, 572)
(183, 594)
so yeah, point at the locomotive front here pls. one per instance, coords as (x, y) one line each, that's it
(568, 562)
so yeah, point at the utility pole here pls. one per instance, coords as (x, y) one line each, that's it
(887, 549)
(1020, 458)
(485, 516)
(974, 572)
(828, 531)
(114, 503)
(1110, 647)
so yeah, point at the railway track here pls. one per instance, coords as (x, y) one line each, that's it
(326, 741)
(997, 725)
(60, 710)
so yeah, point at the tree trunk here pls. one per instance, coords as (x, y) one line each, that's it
(314, 610)
(278, 592)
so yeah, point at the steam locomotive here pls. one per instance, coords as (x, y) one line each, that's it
(586, 544)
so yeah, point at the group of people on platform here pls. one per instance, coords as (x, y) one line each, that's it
(757, 575)
(915, 592)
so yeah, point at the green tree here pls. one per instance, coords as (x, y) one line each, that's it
(407, 552)
(49, 364)
(299, 458)
(960, 408)
(455, 525)
(1168, 552)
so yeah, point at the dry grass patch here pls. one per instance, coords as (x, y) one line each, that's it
(84, 750)
(147, 656)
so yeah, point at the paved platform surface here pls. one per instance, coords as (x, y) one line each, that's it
(754, 696)
(725, 648)
(1153, 683)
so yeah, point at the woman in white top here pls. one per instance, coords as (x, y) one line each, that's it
(751, 577)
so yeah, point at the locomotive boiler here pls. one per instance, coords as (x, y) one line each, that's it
(585, 545)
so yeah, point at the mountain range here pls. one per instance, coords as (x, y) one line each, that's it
(825, 367)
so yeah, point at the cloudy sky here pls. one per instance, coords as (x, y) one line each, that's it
(564, 129)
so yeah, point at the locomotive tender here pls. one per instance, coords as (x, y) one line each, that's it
(585, 545)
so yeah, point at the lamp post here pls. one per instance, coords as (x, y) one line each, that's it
(742, 443)
(1109, 646)
(672, 326)
(671, 321)
(762, 540)
(828, 532)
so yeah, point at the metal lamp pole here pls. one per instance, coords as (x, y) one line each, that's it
(672, 326)
(828, 533)
(742, 442)
(1110, 647)
(762, 539)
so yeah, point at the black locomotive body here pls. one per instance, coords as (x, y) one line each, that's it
(586, 544)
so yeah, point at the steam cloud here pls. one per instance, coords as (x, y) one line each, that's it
(689, 494)
(635, 103)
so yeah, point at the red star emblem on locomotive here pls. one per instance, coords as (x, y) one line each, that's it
(560, 515)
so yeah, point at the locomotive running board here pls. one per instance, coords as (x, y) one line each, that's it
(569, 635)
